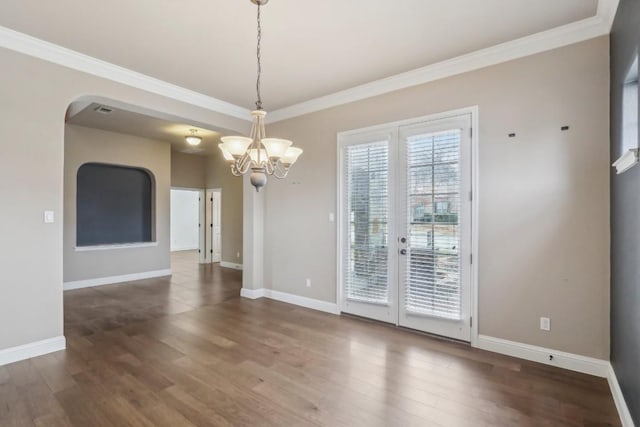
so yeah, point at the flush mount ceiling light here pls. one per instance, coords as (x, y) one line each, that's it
(263, 156)
(193, 139)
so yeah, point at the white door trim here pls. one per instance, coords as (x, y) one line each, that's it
(475, 148)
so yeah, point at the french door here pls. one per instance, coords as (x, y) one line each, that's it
(405, 231)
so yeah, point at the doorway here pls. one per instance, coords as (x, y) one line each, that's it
(196, 225)
(406, 224)
(185, 220)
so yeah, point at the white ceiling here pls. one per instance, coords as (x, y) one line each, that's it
(310, 48)
(134, 123)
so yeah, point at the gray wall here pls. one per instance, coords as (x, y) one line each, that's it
(625, 220)
(188, 170)
(34, 96)
(544, 216)
(84, 145)
(218, 175)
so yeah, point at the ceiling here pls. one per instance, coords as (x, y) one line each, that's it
(133, 123)
(310, 48)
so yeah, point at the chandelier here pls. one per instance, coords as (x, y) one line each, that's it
(263, 156)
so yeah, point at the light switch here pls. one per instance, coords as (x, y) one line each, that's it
(48, 217)
(332, 217)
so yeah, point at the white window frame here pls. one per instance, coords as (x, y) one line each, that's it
(629, 154)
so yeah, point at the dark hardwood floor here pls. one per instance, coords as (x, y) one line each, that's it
(188, 351)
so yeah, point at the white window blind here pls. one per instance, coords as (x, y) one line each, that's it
(366, 188)
(433, 190)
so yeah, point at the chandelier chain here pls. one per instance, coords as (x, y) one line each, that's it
(259, 101)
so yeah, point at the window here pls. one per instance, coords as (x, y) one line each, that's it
(366, 172)
(630, 110)
(114, 205)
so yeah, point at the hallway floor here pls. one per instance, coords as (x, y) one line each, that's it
(188, 351)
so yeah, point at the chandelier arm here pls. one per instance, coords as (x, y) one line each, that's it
(280, 171)
(244, 163)
(279, 174)
(269, 167)
(235, 171)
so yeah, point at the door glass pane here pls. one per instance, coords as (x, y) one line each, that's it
(367, 199)
(433, 283)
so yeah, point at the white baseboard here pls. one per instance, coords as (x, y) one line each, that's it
(183, 248)
(314, 304)
(34, 349)
(115, 279)
(618, 398)
(574, 362)
(226, 264)
(252, 293)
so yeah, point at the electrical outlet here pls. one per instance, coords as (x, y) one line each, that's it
(545, 323)
(237, 254)
(308, 283)
(332, 217)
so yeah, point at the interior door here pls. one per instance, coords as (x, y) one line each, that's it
(434, 227)
(217, 228)
(368, 259)
(208, 226)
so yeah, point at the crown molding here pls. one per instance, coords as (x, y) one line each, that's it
(547, 40)
(540, 42)
(607, 10)
(32, 46)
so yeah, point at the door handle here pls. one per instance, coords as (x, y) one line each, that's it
(403, 251)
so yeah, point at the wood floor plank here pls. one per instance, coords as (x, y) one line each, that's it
(188, 351)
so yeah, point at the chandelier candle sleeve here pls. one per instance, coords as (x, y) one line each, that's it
(263, 156)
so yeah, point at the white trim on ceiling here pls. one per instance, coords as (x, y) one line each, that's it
(547, 40)
(56, 54)
(565, 35)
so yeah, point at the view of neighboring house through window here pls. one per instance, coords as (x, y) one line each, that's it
(434, 196)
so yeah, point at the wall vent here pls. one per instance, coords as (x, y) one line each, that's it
(103, 110)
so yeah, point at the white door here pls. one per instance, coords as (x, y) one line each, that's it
(368, 262)
(213, 226)
(434, 227)
(217, 227)
(405, 228)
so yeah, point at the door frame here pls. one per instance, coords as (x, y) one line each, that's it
(474, 111)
